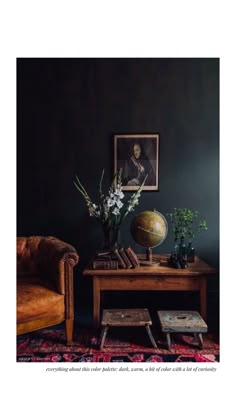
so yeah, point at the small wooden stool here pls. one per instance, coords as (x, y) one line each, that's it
(182, 322)
(126, 318)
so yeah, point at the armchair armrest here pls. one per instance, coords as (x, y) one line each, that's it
(56, 260)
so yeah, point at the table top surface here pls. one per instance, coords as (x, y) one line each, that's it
(196, 268)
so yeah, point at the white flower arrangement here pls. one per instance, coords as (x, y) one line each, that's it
(110, 210)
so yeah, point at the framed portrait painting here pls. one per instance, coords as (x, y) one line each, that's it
(137, 155)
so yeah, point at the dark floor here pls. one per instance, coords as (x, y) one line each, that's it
(152, 301)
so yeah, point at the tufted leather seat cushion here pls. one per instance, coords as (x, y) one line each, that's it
(35, 301)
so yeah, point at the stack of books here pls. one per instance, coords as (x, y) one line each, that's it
(105, 262)
(119, 258)
(126, 257)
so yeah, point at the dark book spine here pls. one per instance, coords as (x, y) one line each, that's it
(103, 254)
(125, 258)
(105, 265)
(133, 257)
(120, 259)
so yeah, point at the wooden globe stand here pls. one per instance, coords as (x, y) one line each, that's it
(149, 259)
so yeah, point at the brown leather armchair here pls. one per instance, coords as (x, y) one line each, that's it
(45, 284)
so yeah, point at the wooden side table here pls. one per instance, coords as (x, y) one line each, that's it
(126, 318)
(160, 278)
(182, 322)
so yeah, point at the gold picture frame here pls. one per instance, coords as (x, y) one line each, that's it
(137, 155)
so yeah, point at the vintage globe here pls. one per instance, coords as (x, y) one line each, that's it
(149, 229)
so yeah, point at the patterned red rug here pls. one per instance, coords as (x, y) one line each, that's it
(121, 345)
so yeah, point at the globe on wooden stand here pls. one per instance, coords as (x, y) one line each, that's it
(149, 229)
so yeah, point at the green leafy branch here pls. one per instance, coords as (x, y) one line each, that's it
(185, 222)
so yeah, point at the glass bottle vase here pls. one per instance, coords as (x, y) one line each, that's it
(111, 237)
(175, 250)
(190, 252)
(182, 251)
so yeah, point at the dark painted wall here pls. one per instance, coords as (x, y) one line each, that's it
(67, 113)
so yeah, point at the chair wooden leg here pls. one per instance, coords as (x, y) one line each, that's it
(69, 331)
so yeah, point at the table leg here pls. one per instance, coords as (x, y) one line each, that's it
(96, 301)
(203, 298)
